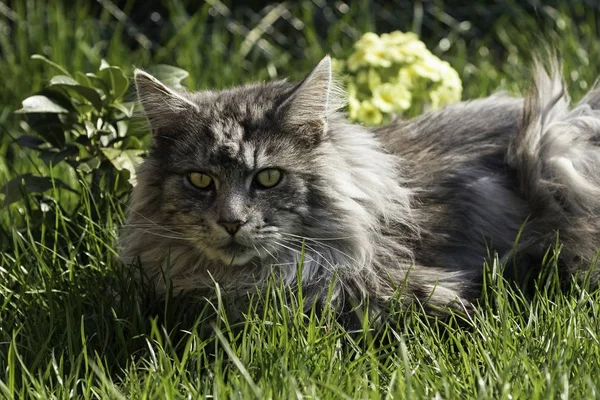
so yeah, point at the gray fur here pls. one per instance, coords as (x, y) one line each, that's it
(413, 206)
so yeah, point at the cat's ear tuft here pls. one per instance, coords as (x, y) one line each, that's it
(162, 105)
(315, 98)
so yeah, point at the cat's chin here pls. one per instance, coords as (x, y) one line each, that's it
(237, 258)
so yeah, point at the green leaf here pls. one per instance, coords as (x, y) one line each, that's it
(54, 157)
(125, 159)
(128, 142)
(107, 130)
(59, 97)
(104, 64)
(99, 82)
(169, 75)
(50, 127)
(51, 63)
(83, 140)
(84, 80)
(63, 80)
(131, 142)
(125, 108)
(90, 129)
(89, 164)
(115, 76)
(69, 83)
(123, 183)
(85, 108)
(40, 104)
(16, 188)
(30, 142)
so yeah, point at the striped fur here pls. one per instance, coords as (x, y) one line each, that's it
(412, 207)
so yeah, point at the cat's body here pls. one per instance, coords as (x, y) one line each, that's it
(466, 195)
(415, 206)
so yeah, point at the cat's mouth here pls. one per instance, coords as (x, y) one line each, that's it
(235, 248)
(234, 253)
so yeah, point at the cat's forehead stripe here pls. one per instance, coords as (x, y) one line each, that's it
(235, 151)
(231, 146)
(226, 130)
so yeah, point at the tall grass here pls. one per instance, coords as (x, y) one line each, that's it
(74, 322)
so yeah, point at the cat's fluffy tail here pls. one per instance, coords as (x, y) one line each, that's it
(556, 155)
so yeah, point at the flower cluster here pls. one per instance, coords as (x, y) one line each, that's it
(395, 74)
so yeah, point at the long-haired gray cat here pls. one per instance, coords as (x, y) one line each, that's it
(246, 182)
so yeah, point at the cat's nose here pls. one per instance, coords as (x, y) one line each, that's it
(232, 226)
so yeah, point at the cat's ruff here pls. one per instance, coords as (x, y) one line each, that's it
(412, 207)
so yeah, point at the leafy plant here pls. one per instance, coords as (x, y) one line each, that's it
(80, 127)
(395, 74)
(83, 120)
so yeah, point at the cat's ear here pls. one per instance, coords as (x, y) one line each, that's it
(163, 106)
(314, 99)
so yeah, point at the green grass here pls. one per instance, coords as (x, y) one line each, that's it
(73, 322)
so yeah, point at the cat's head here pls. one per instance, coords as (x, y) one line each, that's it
(239, 174)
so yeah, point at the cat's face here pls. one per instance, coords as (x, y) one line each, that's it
(235, 169)
(233, 187)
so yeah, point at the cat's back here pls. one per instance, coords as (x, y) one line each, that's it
(455, 161)
(458, 136)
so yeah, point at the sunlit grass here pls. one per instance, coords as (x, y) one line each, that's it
(74, 322)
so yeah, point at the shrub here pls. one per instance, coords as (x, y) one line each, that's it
(395, 74)
(83, 120)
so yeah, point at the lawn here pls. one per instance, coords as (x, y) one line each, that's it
(73, 322)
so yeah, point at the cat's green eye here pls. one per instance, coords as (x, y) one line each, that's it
(268, 178)
(200, 180)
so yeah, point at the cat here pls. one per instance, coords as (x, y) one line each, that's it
(255, 180)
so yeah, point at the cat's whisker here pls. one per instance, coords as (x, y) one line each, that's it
(330, 267)
(162, 235)
(319, 239)
(132, 210)
(323, 257)
(164, 225)
(293, 251)
(141, 226)
(277, 252)
(286, 247)
(323, 244)
(312, 259)
(268, 252)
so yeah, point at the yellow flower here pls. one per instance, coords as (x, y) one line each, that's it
(369, 114)
(353, 106)
(373, 79)
(392, 97)
(408, 52)
(351, 89)
(407, 76)
(439, 97)
(371, 57)
(370, 50)
(394, 71)
(450, 77)
(368, 40)
(450, 88)
(399, 37)
(362, 77)
(337, 65)
(428, 67)
(356, 60)
(444, 95)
